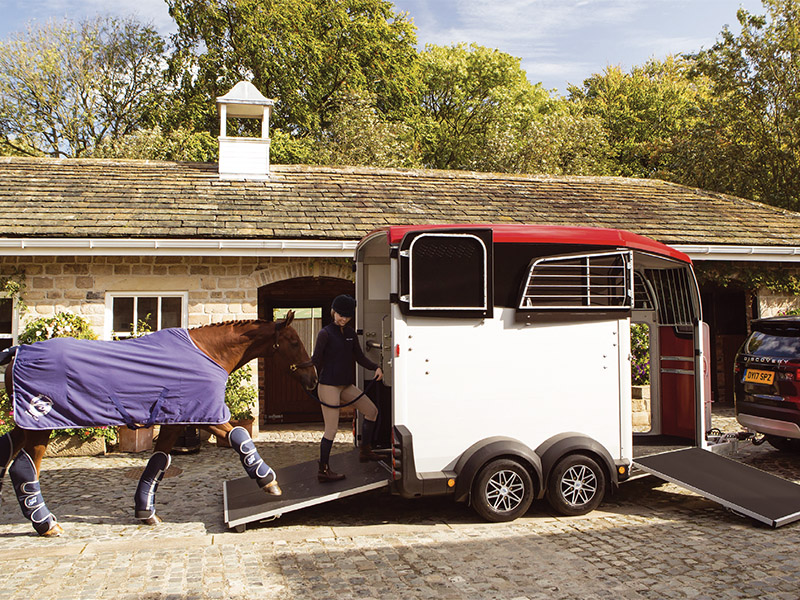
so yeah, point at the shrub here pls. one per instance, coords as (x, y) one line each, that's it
(240, 396)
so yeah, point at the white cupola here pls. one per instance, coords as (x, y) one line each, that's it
(244, 157)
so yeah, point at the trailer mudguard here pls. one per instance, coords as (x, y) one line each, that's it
(480, 453)
(563, 444)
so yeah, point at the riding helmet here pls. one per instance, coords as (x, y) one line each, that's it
(345, 305)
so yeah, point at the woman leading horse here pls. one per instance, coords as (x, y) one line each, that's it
(173, 377)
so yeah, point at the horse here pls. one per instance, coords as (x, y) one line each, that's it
(214, 351)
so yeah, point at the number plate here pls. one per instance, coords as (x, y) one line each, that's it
(762, 377)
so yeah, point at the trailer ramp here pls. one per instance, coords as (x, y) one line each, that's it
(245, 502)
(739, 487)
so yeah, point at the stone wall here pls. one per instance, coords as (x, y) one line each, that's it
(771, 304)
(218, 288)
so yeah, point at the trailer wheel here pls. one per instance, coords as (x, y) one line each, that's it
(577, 485)
(502, 491)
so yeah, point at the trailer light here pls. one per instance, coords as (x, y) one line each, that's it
(451, 482)
(397, 350)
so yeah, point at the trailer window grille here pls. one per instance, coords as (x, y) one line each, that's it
(642, 296)
(583, 282)
(448, 272)
(673, 292)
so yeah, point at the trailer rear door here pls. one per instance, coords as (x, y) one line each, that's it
(739, 487)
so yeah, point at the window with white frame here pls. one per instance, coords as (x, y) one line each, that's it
(133, 313)
(6, 323)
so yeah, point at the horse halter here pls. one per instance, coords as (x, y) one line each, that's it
(294, 366)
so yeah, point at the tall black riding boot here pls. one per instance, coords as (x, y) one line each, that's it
(325, 475)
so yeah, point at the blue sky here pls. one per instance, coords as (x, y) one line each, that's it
(559, 41)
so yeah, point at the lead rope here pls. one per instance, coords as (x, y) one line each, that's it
(367, 388)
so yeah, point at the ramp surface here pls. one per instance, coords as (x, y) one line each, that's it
(245, 502)
(742, 488)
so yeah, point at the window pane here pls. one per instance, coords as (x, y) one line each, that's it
(6, 343)
(448, 272)
(147, 312)
(170, 312)
(123, 314)
(6, 305)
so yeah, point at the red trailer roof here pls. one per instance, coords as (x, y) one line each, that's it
(550, 234)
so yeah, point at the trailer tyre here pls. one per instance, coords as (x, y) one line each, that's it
(502, 491)
(577, 485)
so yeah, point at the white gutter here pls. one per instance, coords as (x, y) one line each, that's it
(307, 248)
(174, 247)
(699, 252)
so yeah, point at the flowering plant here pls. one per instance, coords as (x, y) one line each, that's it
(640, 349)
(239, 396)
(62, 324)
(6, 413)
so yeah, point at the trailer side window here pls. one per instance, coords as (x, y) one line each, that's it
(598, 281)
(447, 273)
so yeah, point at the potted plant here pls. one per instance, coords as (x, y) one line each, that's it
(241, 399)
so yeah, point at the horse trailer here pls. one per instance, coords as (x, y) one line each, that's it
(507, 357)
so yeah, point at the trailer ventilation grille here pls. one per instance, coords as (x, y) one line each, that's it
(580, 282)
(673, 291)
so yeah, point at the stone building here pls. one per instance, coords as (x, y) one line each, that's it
(189, 244)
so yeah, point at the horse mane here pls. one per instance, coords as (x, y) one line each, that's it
(236, 322)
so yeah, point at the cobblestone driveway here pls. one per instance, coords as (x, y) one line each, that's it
(651, 540)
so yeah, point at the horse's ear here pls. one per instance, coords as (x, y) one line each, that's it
(286, 320)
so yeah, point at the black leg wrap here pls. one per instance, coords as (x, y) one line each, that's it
(255, 466)
(6, 448)
(26, 485)
(145, 499)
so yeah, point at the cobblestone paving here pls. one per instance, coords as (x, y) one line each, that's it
(651, 540)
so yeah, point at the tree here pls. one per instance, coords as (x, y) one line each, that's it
(469, 94)
(644, 112)
(748, 142)
(304, 53)
(64, 88)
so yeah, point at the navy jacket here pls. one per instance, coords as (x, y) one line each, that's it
(335, 354)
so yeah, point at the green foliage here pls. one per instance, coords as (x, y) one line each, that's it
(240, 396)
(155, 144)
(640, 349)
(747, 143)
(645, 113)
(302, 52)
(13, 286)
(62, 324)
(64, 88)
(6, 413)
(776, 279)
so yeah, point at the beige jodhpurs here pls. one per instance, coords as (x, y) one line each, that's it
(342, 394)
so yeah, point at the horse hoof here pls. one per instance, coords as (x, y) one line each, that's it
(273, 489)
(54, 531)
(152, 520)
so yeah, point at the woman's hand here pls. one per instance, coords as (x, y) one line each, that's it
(379, 374)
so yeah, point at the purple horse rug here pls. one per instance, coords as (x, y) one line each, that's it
(160, 378)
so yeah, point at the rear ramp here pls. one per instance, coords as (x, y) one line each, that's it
(743, 489)
(245, 502)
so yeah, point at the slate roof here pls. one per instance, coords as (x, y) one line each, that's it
(77, 198)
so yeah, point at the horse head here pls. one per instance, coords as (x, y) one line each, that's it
(291, 354)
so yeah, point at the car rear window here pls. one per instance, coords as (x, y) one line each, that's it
(776, 346)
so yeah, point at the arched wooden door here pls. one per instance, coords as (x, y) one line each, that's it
(281, 398)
